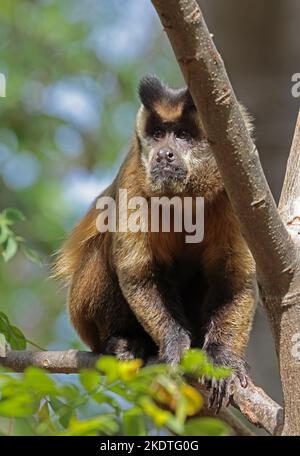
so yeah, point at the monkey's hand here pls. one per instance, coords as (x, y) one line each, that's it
(221, 391)
(176, 342)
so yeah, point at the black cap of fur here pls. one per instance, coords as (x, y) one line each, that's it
(152, 90)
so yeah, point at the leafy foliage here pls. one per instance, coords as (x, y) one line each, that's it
(115, 398)
(13, 335)
(9, 241)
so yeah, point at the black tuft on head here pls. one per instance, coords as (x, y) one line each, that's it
(151, 89)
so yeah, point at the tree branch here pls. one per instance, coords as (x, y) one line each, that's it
(55, 362)
(275, 253)
(252, 401)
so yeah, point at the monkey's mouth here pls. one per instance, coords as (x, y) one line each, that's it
(168, 173)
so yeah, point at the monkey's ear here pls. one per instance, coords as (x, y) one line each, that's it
(151, 90)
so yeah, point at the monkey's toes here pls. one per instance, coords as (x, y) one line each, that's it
(221, 391)
(125, 348)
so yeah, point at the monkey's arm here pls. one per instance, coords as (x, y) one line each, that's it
(230, 319)
(229, 309)
(156, 307)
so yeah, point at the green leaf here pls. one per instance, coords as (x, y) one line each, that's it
(71, 392)
(206, 427)
(19, 406)
(4, 233)
(16, 339)
(39, 381)
(196, 363)
(6, 380)
(129, 369)
(63, 411)
(110, 366)
(56, 404)
(159, 416)
(13, 335)
(32, 255)
(10, 249)
(100, 397)
(4, 321)
(65, 417)
(192, 361)
(13, 215)
(89, 379)
(104, 424)
(134, 422)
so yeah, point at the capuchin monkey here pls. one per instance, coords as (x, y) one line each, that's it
(139, 294)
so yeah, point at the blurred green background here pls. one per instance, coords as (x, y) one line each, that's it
(72, 68)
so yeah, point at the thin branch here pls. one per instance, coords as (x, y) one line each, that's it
(258, 407)
(55, 362)
(252, 401)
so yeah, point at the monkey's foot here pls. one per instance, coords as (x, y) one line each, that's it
(174, 347)
(221, 391)
(125, 348)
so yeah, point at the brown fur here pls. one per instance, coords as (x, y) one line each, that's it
(153, 287)
(168, 113)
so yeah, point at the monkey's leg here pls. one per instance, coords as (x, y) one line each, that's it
(87, 292)
(156, 308)
(100, 313)
(229, 311)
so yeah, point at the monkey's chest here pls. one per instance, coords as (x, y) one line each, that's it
(171, 248)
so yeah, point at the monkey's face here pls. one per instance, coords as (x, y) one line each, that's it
(174, 149)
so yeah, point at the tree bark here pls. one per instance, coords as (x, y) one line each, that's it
(275, 252)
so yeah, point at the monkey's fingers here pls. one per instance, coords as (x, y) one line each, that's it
(213, 393)
(222, 390)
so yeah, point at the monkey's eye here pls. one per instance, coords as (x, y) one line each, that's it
(183, 134)
(158, 134)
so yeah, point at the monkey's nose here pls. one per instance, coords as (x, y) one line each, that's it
(165, 154)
